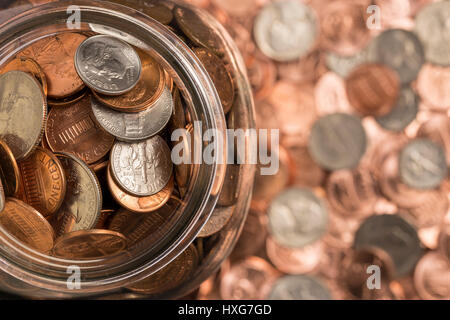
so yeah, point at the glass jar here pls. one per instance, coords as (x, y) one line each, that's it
(211, 187)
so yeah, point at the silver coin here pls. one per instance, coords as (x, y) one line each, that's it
(395, 236)
(297, 217)
(403, 113)
(108, 65)
(433, 28)
(286, 30)
(142, 168)
(338, 141)
(299, 287)
(422, 164)
(131, 127)
(2, 197)
(343, 65)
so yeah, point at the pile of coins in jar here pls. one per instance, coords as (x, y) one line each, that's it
(360, 206)
(85, 148)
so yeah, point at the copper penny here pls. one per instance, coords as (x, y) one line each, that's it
(330, 95)
(9, 171)
(73, 129)
(437, 129)
(431, 211)
(69, 100)
(27, 225)
(444, 241)
(253, 235)
(433, 86)
(43, 182)
(90, 244)
(105, 215)
(2, 196)
(372, 89)
(262, 74)
(55, 55)
(307, 172)
(432, 277)
(308, 69)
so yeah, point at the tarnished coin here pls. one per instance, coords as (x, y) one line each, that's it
(422, 164)
(146, 92)
(135, 126)
(83, 200)
(27, 225)
(297, 217)
(89, 244)
(142, 168)
(9, 171)
(432, 277)
(43, 182)
(23, 109)
(299, 287)
(404, 111)
(140, 204)
(337, 141)
(405, 54)
(285, 30)
(395, 236)
(217, 220)
(433, 30)
(55, 55)
(108, 65)
(219, 75)
(2, 196)
(30, 66)
(171, 276)
(73, 129)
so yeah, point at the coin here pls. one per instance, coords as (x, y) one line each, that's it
(285, 30)
(405, 54)
(145, 94)
(2, 196)
(22, 112)
(218, 219)
(140, 204)
(27, 225)
(108, 65)
(171, 276)
(433, 30)
(297, 217)
(142, 168)
(230, 190)
(83, 200)
(299, 287)
(55, 55)
(337, 141)
(343, 65)
(307, 172)
(437, 130)
(73, 129)
(27, 65)
(89, 244)
(135, 126)
(9, 171)
(372, 89)
(395, 236)
(105, 216)
(43, 182)
(219, 76)
(432, 277)
(444, 241)
(155, 10)
(433, 86)
(422, 164)
(69, 100)
(330, 95)
(307, 69)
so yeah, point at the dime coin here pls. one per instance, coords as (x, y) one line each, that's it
(297, 217)
(83, 200)
(89, 244)
(218, 219)
(146, 92)
(27, 225)
(219, 75)
(432, 277)
(22, 112)
(73, 129)
(135, 126)
(299, 287)
(337, 141)
(55, 55)
(343, 65)
(2, 196)
(43, 182)
(142, 168)
(140, 204)
(9, 171)
(422, 164)
(108, 65)
(171, 276)
(395, 236)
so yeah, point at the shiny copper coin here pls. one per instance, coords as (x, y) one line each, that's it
(145, 94)
(437, 129)
(43, 182)
(2, 196)
(262, 74)
(27, 225)
(307, 172)
(105, 215)
(444, 241)
(432, 277)
(217, 220)
(55, 55)
(139, 204)
(306, 70)
(27, 65)
(433, 86)
(90, 244)
(73, 129)
(253, 235)
(9, 171)
(372, 89)
(69, 100)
